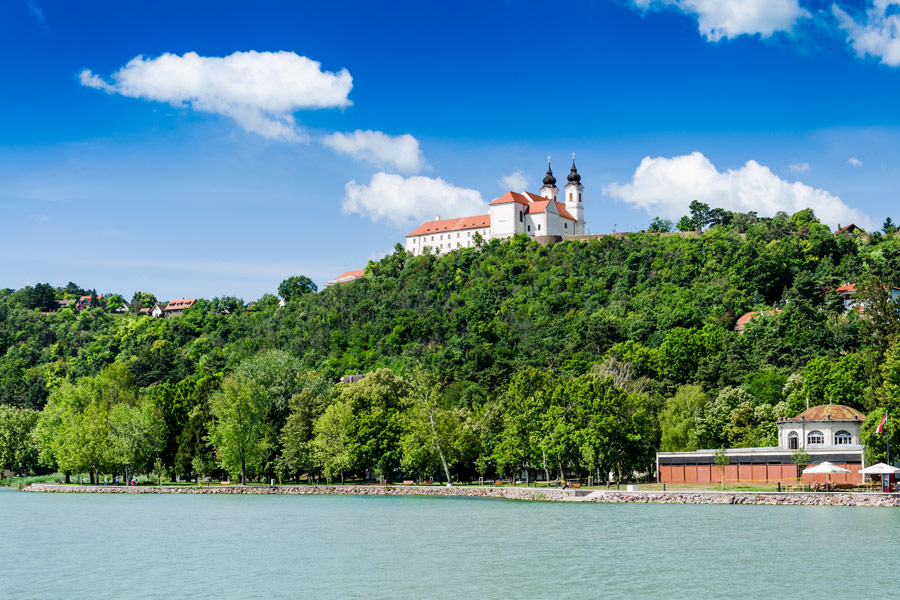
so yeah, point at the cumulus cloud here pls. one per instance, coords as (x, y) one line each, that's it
(800, 167)
(260, 91)
(666, 187)
(854, 162)
(718, 19)
(515, 181)
(876, 33)
(382, 150)
(405, 200)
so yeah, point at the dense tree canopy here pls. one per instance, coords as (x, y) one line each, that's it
(510, 358)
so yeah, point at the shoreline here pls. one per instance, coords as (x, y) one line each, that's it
(508, 493)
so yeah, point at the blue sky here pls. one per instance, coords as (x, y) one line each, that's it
(216, 148)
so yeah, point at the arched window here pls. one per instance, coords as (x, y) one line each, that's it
(843, 437)
(521, 218)
(815, 437)
(793, 440)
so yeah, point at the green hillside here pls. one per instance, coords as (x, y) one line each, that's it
(581, 356)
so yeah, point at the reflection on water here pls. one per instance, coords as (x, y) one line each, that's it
(171, 546)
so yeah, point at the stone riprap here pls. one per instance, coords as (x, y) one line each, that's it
(510, 493)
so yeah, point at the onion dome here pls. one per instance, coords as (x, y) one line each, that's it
(574, 177)
(549, 179)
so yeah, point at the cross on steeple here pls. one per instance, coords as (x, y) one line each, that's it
(548, 159)
(573, 157)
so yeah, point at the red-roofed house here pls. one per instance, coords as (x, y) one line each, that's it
(848, 292)
(510, 214)
(346, 277)
(176, 307)
(747, 317)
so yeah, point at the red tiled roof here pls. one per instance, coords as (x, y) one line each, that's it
(452, 225)
(747, 317)
(830, 412)
(847, 288)
(511, 197)
(180, 304)
(354, 274)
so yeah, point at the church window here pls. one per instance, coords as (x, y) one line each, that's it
(539, 226)
(565, 225)
(571, 196)
(815, 437)
(579, 196)
(842, 437)
(529, 228)
(793, 440)
(521, 217)
(457, 234)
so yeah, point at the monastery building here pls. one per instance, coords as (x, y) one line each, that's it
(510, 214)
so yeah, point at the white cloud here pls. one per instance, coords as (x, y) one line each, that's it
(405, 200)
(718, 19)
(382, 150)
(877, 35)
(515, 181)
(260, 91)
(800, 167)
(666, 187)
(854, 162)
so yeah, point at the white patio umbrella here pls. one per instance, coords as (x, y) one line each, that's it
(827, 468)
(880, 469)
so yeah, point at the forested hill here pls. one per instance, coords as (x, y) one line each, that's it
(655, 311)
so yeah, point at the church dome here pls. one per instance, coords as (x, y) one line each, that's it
(574, 177)
(549, 179)
(830, 412)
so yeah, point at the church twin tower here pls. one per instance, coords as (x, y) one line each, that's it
(574, 190)
(510, 214)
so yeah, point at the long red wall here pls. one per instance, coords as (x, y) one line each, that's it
(751, 474)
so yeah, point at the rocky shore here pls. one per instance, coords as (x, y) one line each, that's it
(510, 493)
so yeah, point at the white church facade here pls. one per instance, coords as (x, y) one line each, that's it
(510, 214)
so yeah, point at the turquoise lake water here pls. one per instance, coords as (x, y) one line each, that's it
(173, 546)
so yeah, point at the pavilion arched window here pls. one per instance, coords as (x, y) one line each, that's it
(843, 437)
(793, 440)
(815, 437)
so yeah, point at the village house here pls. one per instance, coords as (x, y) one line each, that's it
(176, 307)
(346, 277)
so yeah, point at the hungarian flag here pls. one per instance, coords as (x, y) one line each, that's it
(882, 424)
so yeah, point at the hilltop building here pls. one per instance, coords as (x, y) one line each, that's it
(346, 277)
(828, 432)
(510, 214)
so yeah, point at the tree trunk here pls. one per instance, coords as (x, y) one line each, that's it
(68, 475)
(562, 472)
(92, 476)
(243, 473)
(546, 470)
(342, 477)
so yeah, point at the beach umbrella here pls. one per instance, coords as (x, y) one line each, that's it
(827, 468)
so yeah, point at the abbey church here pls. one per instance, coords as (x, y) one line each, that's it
(509, 214)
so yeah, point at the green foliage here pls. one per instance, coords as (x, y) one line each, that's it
(239, 430)
(557, 358)
(18, 453)
(296, 286)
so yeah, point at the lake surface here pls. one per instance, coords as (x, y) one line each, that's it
(223, 546)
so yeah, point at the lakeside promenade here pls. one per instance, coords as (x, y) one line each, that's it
(505, 492)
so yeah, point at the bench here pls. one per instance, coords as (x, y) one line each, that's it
(408, 482)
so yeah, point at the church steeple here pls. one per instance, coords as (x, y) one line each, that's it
(574, 191)
(549, 190)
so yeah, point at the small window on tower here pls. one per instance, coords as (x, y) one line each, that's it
(539, 226)
(529, 228)
(520, 216)
(570, 195)
(579, 196)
